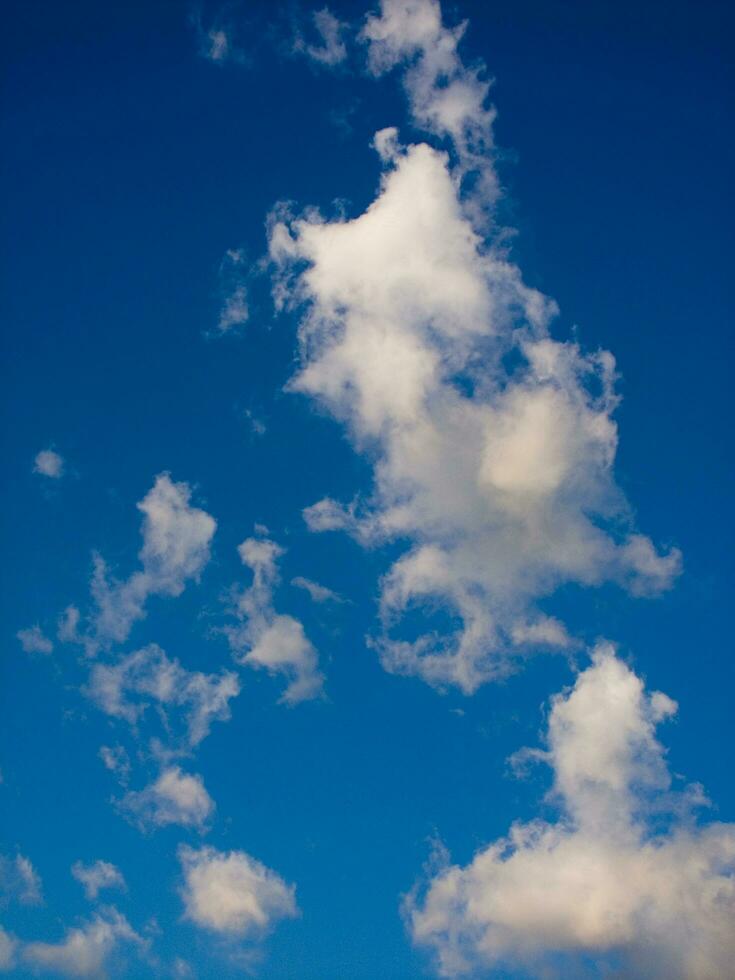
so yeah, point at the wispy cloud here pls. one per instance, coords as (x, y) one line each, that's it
(317, 593)
(85, 950)
(148, 677)
(330, 48)
(269, 640)
(97, 876)
(33, 640)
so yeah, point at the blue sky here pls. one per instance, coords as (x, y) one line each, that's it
(369, 516)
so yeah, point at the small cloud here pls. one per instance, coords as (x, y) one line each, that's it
(265, 639)
(234, 308)
(19, 881)
(174, 798)
(96, 876)
(116, 759)
(317, 592)
(220, 41)
(330, 49)
(49, 463)
(33, 640)
(86, 949)
(232, 893)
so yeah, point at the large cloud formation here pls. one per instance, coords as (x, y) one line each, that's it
(625, 878)
(493, 443)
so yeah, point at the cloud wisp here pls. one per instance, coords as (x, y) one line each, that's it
(97, 876)
(265, 639)
(625, 877)
(493, 443)
(149, 678)
(176, 548)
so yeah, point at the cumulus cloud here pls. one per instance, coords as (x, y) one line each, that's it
(317, 593)
(125, 689)
(19, 881)
(493, 443)
(625, 877)
(233, 894)
(33, 640)
(269, 640)
(85, 950)
(176, 548)
(175, 797)
(97, 876)
(330, 49)
(49, 463)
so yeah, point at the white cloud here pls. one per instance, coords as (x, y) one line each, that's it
(49, 463)
(19, 881)
(176, 548)
(97, 876)
(625, 878)
(220, 41)
(493, 444)
(8, 950)
(446, 98)
(234, 310)
(317, 593)
(85, 951)
(33, 640)
(232, 893)
(269, 640)
(174, 797)
(148, 676)
(331, 49)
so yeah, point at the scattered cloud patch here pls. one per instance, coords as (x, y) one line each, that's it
(33, 640)
(175, 797)
(176, 548)
(330, 49)
(19, 881)
(86, 950)
(49, 463)
(221, 40)
(625, 877)
(317, 593)
(149, 677)
(269, 640)
(8, 950)
(234, 309)
(97, 876)
(233, 894)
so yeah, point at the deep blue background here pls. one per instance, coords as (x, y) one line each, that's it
(129, 166)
